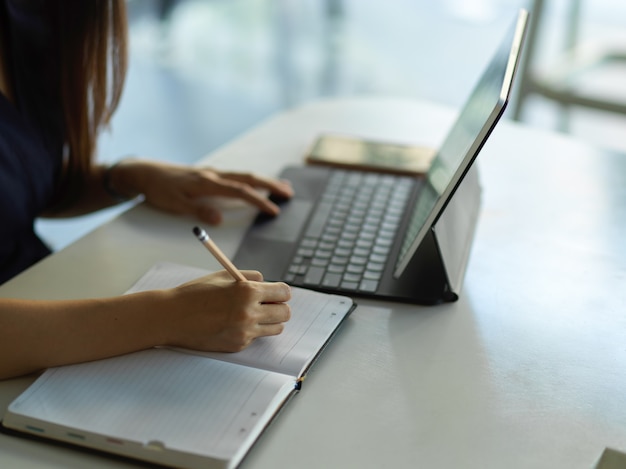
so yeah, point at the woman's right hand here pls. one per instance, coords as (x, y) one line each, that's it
(212, 313)
(216, 313)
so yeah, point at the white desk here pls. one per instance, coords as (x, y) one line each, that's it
(526, 370)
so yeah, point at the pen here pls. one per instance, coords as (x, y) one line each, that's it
(218, 254)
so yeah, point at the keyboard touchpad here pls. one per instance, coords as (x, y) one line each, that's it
(286, 226)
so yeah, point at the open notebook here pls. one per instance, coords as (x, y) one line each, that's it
(179, 407)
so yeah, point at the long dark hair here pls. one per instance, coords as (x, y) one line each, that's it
(92, 38)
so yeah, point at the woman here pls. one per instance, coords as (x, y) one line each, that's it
(62, 67)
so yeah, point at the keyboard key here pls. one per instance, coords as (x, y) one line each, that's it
(345, 243)
(318, 262)
(297, 269)
(308, 243)
(336, 268)
(371, 275)
(389, 225)
(355, 269)
(372, 220)
(342, 206)
(349, 285)
(361, 251)
(305, 252)
(384, 242)
(314, 276)
(349, 277)
(358, 260)
(375, 266)
(342, 260)
(331, 280)
(314, 230)
(364, 243)
(336, 222)
(378, 258)
(384, 250)
(369, 228)
(323, 254)
(368, 286)
(343, 252)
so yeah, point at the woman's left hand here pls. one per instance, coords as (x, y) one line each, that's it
(184, 189)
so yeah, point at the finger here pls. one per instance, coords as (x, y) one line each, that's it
(275, 313)
(207, 213)
(270, 329)
(172, 201)
(239, 190)
(279, 187)
(278, 292)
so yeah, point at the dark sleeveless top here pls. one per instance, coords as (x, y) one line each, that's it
(31, 134)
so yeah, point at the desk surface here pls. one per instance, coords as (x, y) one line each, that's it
(525, 370)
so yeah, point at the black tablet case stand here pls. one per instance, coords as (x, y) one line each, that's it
(435, 274)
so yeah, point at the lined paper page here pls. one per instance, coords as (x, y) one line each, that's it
(185, 402)
(314, 318)
(166, 275)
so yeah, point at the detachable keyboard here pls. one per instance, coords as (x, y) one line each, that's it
(347, 241)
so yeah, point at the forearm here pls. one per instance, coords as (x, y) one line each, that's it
(40, 334)
(176, 189)
(104, 186)
(212, 313)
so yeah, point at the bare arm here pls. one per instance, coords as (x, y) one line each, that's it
(175, 188)
(213, 313)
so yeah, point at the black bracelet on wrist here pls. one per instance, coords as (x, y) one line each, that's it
(108, 187)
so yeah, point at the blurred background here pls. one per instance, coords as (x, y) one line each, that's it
(204, 71)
